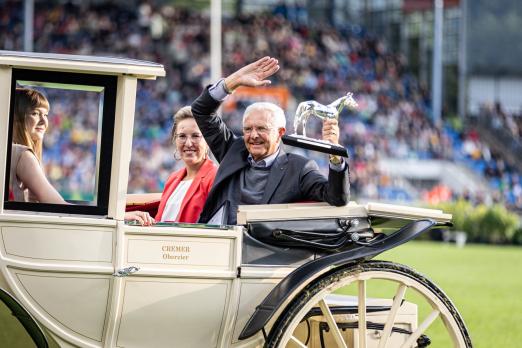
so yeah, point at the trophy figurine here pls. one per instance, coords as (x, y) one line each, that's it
(313, 108)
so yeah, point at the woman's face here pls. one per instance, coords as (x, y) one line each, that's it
(190, 143)
(36, 123)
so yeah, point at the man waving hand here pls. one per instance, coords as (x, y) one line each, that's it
(254, 168)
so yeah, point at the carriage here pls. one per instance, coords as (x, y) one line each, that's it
(289, 275)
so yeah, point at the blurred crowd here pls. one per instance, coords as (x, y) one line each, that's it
(317, 62)
(500, 119)
(506, 128)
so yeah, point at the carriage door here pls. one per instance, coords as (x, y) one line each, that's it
(60, 270)
(57, 256)
(180, 286)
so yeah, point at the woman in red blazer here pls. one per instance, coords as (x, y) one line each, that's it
(187, 189)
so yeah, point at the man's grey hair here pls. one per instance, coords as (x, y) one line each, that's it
(278, 118)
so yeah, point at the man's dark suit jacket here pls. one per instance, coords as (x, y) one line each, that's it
(292, 178)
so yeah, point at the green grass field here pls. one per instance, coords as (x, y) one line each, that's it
(484, 282)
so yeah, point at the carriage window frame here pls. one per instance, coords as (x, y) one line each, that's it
(105, 145)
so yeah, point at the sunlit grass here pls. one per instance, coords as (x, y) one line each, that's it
(484, 282)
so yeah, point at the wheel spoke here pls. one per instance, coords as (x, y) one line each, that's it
(397, 300)
(362, 313)
(330, 301)
(422, 327)
(296, 341)
(332, 324)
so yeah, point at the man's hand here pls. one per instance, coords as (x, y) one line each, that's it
(253, 75)
(331, 130)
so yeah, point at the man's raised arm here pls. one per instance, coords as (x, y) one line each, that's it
(217, 135)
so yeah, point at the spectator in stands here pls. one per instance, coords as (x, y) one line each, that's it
(186, 190)
(27, 179)
(254, 169)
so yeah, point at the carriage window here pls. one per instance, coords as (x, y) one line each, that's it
(60, 142)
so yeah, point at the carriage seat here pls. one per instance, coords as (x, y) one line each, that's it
(148, 202)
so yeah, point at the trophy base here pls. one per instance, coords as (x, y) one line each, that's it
(314, 145)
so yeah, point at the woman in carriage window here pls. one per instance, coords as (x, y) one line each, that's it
(27, 179)
(186, 190)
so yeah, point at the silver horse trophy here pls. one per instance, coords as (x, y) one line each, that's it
(313, 108)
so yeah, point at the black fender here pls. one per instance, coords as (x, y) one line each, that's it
(25, 319)
(313, 269)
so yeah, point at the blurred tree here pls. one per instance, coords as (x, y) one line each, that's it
(484, 224)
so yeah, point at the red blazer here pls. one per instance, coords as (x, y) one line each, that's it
(196, 195)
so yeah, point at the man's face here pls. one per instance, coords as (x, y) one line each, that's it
(261, 136)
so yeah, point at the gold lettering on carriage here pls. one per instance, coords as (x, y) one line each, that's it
(175, 252)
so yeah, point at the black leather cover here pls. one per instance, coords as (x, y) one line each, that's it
(331, 234)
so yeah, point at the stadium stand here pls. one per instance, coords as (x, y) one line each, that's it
(318, 62)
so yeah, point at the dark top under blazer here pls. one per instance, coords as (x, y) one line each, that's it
(293, 178)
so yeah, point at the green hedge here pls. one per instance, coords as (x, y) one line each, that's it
(517, 238)
(484, 224)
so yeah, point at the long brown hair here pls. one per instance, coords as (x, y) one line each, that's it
(27, 100)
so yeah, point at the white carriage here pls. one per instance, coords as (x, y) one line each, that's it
(78, 275)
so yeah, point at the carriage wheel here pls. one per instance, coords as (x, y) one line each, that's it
(317, 310)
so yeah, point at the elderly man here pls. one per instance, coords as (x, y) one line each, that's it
(254, 168)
